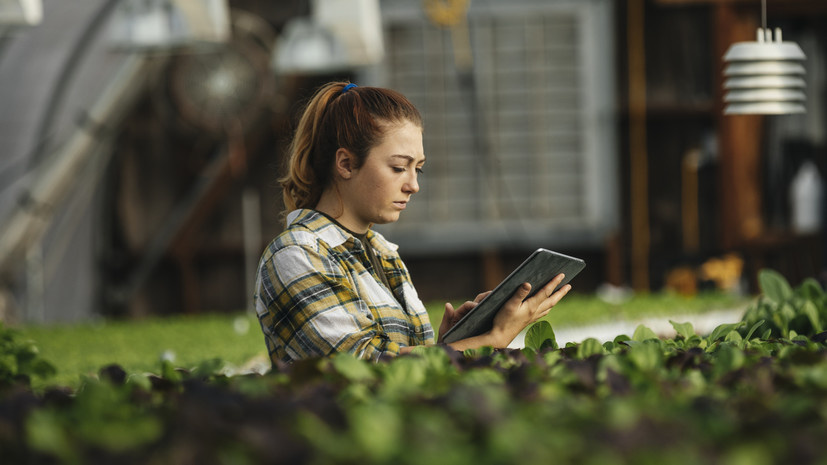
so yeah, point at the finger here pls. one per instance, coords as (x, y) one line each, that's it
(447, 320)
(521, 293)
(466, 307)
(562, 292)
(482, 296)
(546, 292)
(555, 298)
(550, 287)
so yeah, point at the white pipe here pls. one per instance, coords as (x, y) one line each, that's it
(54, 177)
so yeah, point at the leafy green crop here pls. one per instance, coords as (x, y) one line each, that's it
(20, 360)
(540, 336)
(739, 395)
(786, 312)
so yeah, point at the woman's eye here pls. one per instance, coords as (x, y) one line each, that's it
(419, 171)
(397, 169)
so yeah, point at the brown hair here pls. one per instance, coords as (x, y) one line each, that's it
(333, 119)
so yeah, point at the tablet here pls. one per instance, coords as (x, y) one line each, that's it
(538, 269)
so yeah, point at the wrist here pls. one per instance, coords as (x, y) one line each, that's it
(497, 339)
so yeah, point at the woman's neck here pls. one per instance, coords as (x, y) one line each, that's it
(332, 205)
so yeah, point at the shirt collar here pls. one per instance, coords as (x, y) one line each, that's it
(335, 234)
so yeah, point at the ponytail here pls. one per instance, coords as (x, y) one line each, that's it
(302, 184)
(339, 115)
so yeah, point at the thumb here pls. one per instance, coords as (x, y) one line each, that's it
(449, 309)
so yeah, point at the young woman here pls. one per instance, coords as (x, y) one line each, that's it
(329, 283)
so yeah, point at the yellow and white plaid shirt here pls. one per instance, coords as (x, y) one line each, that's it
(317, 293)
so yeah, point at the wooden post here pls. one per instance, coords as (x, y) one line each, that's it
(639, 176)
(492, 269)
(740, 139)
(190, 283)
(689, 202)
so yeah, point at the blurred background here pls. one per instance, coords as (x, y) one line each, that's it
(141, 142)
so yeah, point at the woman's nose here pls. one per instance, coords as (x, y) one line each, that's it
(412, 185)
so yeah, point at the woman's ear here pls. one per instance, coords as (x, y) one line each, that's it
(345, 163)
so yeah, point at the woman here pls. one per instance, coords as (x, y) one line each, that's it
(329, 283)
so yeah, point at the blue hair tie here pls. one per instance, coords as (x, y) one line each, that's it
(348, 87)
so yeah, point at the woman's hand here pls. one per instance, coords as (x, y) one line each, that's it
(451, 316)
(519, 312)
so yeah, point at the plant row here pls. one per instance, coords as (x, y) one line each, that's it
(749, 392)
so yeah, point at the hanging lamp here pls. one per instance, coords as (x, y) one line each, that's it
(764, 77)
(152, 25)
(21, 12)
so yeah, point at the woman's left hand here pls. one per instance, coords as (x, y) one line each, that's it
(451, 316)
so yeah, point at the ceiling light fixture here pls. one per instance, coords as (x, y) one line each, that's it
(152, 25)
(21, 12)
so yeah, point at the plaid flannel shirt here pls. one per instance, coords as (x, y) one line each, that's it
(316, 294)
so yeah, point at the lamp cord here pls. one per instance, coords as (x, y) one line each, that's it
(764, 14)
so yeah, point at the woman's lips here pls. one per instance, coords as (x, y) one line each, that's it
(400, 205)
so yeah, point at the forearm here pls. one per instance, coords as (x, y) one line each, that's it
(489, 339)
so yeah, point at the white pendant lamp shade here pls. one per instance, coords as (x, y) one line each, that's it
(21, 12)
(764, 77)
(165, 24)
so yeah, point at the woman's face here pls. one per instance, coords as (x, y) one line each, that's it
(381, 188)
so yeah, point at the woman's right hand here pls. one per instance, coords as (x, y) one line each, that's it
(452, 317)
(519, 312)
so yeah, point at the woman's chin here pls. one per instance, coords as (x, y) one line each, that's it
(388, 218)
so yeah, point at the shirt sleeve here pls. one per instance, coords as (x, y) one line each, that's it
(311, 308)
